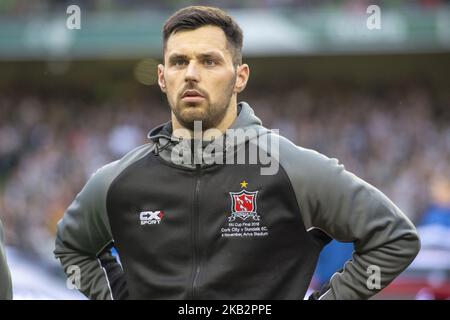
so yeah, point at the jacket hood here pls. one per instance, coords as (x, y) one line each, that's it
(246, 126)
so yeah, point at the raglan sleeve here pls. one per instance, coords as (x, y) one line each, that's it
(349, 209)
(84, 240)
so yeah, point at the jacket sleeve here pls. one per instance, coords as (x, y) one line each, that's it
(84, 240)
(350, 210)
(5, 277)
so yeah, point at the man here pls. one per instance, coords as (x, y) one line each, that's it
(5, 278)
(186, 227)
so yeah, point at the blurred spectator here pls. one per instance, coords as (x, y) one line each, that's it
(428, 277)
(435, 225)
(331, 259)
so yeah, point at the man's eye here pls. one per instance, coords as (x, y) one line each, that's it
(180, 62)
(209, 62)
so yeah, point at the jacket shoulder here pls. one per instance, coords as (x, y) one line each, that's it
(96, 188)
(107, 173)
(307, 161)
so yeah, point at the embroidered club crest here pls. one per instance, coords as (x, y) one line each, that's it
(243, 205)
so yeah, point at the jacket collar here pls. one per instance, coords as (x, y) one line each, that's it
(166, 144)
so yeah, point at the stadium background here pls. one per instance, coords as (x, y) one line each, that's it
(378, 100)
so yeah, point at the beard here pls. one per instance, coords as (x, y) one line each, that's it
(210, 114)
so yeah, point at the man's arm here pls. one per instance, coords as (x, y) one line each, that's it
(5, 277)
(351, 210)
(84, 240)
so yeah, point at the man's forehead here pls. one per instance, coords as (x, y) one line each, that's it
(198, 41)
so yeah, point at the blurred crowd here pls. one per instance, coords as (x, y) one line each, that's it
(48, 148)
(397, 138)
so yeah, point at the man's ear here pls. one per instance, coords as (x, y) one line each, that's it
(243, 73)
(161, 80)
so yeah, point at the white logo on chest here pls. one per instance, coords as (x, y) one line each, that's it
(151, 217)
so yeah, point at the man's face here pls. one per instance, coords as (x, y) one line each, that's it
(198, 77)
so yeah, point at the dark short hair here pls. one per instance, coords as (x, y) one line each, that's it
(193, 17)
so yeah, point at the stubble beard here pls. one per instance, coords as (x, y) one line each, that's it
(209, 114)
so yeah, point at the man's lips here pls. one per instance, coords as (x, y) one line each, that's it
(191, 93)
(192, 96)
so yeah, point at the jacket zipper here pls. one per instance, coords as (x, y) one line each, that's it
(196, 254)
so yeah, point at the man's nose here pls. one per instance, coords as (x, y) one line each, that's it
(192, 72)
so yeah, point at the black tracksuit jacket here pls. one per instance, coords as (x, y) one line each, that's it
(228, 231)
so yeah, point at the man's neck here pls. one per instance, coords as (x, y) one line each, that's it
(227, 121)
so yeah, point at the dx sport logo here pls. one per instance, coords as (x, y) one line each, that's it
(151, 217)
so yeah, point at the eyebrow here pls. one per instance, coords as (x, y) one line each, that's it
(175, 56)
(215, 55)
(210, 55)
